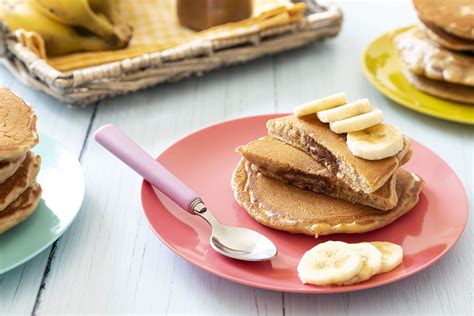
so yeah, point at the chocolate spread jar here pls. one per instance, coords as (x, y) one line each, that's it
(203, 14)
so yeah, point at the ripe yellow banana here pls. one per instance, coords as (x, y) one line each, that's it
(111, 9)
(79, 13)
(58, 38)
(376, 142)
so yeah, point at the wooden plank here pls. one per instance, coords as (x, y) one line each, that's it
(114, 261)
(20, 286)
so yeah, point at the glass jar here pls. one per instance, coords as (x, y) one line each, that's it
(203, 14)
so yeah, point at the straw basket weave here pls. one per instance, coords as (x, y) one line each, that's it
(88, 85)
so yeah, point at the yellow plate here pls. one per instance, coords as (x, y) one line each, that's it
(381, 66)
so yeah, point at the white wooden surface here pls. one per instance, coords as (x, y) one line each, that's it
(110, 262)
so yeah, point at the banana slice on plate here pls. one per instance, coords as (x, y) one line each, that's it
(358, 122)
(372, 262)
(345, 111)
(315, 106)
(331, 262)
(377, 142)
(392, 255)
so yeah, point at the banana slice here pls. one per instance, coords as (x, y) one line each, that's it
(345, 111)
(331, 262)
(392, 255)
(372, 262)
(357, 123)
(377, 142)
(321, 104)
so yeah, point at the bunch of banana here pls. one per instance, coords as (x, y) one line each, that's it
(67, 26)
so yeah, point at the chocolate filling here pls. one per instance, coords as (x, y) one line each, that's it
(321, 154)
(20, 203)
(5, 163)
(299, 179)
(17, 179)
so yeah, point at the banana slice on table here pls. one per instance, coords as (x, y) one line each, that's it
(392, 255)
(345, 111)
(377, 142)
(321, 104)
(358, 122)
(372, 262)
(331, 262)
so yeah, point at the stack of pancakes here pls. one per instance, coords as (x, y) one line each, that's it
(302, 178)
(438, 54)
(19, 192)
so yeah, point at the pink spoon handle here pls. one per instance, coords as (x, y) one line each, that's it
(139, 160)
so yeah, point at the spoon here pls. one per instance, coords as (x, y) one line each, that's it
(234, 242)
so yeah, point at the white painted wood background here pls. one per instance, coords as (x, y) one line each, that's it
(110, 262)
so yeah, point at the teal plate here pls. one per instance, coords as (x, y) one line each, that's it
(62, 180)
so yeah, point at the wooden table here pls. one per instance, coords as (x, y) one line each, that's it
(110, 262)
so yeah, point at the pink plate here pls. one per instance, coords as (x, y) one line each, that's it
(205, 160)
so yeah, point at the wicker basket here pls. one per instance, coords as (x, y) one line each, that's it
(88, 85)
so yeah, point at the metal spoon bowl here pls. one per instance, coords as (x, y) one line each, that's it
(237, 242)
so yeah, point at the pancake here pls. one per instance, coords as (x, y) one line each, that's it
(454, 16)
(445, 90)
(21, 208)
(446, 40)
(9, 167)
(281, 161)
(285, 207)
(423, 58)
(18, 128)
(21, 180)
(307, 133)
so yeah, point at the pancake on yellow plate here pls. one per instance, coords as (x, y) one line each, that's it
(445, 90)
(424, 58)
(446, 40)
(453, 16)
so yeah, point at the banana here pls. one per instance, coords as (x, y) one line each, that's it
(358, 122)
(330, 262)
(345, 111)
(321, 104)
(372, 262)
(33, 41)
(79, 13)
(377, 142)
(110, 8)
(392, 255)
(58, 38)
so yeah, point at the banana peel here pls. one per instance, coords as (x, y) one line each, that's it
(33, 41)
